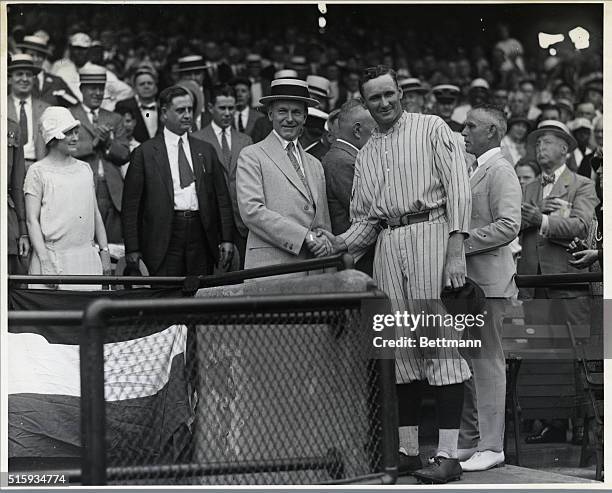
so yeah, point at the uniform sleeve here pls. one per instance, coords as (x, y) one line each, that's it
(364, 223)
(452, 168)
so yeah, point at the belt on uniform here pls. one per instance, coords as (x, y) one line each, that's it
(405, 220)
(186, 213)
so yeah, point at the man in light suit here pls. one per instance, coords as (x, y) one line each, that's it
(103, 144)
(176, 214)
(495, 222)
(228, 143)
(281, 188)
(556, 209)
(25, 109)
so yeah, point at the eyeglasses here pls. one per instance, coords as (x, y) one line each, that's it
(374, 72)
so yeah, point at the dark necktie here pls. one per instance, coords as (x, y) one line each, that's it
(296, 165)
(23, 122)
(94, 117)
(148, 107)
(185, 171)
(548, 179)
(240, 125)
(225, 149)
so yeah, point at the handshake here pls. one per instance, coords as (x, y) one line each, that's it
(322, 243)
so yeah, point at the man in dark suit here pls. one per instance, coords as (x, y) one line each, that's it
(177, 212)
(143, 104)
(355, 125)
(25, 109)
(47, 87)
(103, 144)
(245, 116)
(556, 209)
(18, 241)
(228, 143)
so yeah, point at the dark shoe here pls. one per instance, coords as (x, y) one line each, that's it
(439, 470)
(549, 434)
(407, 464)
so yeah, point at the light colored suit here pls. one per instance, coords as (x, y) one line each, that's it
(494, 223)
(276, 206)
(38, 107)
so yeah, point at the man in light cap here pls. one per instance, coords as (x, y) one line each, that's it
(280, 188)
(259, 86)
(446, 100)
(47, 87)
(144, 104)
(192, 70)
(413, 95)
(478, 93)
(68, 68)
(103, 144)
(319, 88)
(25, 109)
(556, 208)
(581, 129)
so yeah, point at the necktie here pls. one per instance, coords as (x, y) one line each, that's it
(225, 149)
(23, 122)
(296, 164)
(94, 117)
(240, 125)
(148, 107)
(185, 172)
(548, 180)
(472, 168)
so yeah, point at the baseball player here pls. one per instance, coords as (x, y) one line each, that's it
(411, 195)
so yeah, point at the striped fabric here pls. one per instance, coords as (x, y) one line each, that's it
(416, 165)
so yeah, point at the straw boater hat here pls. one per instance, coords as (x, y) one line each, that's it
(479, 83)
(556, 128)
(55, 121)
(412, 84)
(318, 86)
(286, 73)
(289, 90)
(80, 40)
(23, 62)
(34, 43)
(446, 93)
(191, 63)
(92, 74)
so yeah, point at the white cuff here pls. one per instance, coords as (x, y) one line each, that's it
(544, 226)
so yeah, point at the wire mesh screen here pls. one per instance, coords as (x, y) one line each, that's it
(241, 397)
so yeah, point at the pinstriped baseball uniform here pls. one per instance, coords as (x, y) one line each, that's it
(416, 165)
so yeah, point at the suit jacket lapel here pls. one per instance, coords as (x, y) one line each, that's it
(209, 136)
(347, 148)
(12, 113)
(199, 165)
(309, 174)
(163, 164)
(482, 170)
(560, 186)
(235, 150)
(79, 114)
(273, 148)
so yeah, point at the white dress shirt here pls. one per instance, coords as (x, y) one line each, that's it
(219, 132)
(296, 150)
(185, 199)
(545, 193)
(29, 150)
(149, 116)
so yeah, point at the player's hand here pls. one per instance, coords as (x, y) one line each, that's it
(454, 264)
(318, 244)
(337, 244)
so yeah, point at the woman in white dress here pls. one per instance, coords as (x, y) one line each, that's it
(61, 209)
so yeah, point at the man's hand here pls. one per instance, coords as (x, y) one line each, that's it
(577, 245)
(131, 264)
(226, 253)
(531, 214)
(318, 244)
(551, 204)
(107, 268)
(24, 246)
(584, 258)
(454, 265)
(337, 244)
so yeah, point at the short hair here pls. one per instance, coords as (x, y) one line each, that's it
(127, 110)
(375, 72)
(348, 109)
(221, 90)
(333, 116)
(497, 116)
(168, 94)
(531, 163)
(241, 80)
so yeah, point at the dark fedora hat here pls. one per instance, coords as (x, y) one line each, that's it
(289, 90)
(468, 299)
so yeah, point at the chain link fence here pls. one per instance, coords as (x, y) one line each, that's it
(268, 390)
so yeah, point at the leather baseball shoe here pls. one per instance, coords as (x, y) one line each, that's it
(481, 461)
(439, 470)
(407, 464)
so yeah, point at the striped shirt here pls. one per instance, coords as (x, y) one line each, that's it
(416, 165)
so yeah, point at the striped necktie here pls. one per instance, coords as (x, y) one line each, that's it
(225, 149)
(296, 165)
